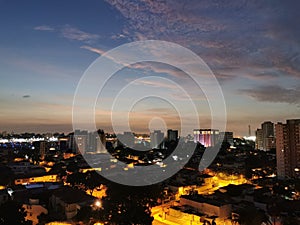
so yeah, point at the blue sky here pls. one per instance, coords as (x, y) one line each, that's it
(253, 48)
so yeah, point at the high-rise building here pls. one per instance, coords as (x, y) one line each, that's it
(126, 139)
(227, 137)
(288, 149)
(268, 135)
(265, 139)
(71, 142)
(156, 139)
(63, 143)
(259, 139)
(43, 149)
(196, 135)
(81, 141)
(97, 142)
(40, 147)
(101, 142)
(207, 137)
(172, 135)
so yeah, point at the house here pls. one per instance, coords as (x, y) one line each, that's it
(207, 206)
(27, 179)
(68, 201)
(34, 209)
(25, 167)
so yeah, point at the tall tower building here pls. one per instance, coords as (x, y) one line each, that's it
(126, 139)
(156, 138)
(265, 139)
(268, 135)
(259, 139)
(207, 137)
(43, 149)
(101, 142)
(227, 137)
(288, 149)
(172, 135)
(196, 135)
(81, 141)
(97, 142)
(249, 130)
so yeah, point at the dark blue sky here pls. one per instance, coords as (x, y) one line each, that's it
(253, 48)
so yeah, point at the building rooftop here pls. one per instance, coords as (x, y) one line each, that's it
(70, 195)
(201, 199)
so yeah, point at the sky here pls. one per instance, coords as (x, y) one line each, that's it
(252, 48)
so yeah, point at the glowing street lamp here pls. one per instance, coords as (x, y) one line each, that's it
(98, 204)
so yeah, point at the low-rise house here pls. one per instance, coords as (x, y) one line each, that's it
(207, 206)
(28, 179)
(68, 201)
(34, 209)
(25, 167)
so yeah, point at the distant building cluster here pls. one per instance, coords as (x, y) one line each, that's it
(265, 138)
(49, 174)
(285, 138)
(210, 137)
(288, 149)
(87, 142)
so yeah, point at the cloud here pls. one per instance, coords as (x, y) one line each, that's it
(156, 84)
(44, 28)
(92, 49)
(26, 96)
(274, 93)
(256, 34)
(73, 33)
(159, 68)
(118, 36)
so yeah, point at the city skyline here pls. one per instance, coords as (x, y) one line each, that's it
(252, 48)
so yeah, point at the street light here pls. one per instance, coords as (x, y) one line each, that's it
(98, 204)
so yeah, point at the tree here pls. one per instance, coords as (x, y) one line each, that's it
(12, 212)
(291, 221)
(6, 175)
(76, 179)
(84, 214)
(59, 168)
(130, 205)
(253, 216)
(92, 180)
(72, 167)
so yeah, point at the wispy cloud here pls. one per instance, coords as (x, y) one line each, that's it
(73, 33)
(92, 49)
(156, 84)
(274, 93)
(253, 34)
(26, 96)
(44, 28)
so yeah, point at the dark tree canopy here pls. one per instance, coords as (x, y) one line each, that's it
(12, 212)
(130, 205)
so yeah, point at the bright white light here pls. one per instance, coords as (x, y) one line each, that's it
(10, 191)
(98, 203)
(250, 138)
(175, 157)
(53, 139)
